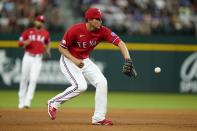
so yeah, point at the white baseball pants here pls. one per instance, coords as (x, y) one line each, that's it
(77, 77)
(31, 67)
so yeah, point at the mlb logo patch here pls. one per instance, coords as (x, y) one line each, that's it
(113, 34)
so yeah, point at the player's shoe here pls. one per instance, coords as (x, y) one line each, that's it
(52, 112)
(20, 106)
(27, 104)
(26, 107)
(103, 122)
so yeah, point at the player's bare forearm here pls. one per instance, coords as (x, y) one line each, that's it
(47, 48)
(68, 55)
(124, 50)
(26, 42)
(47, 52)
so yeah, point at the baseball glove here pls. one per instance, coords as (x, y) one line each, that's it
(46, 56)
(128, 69)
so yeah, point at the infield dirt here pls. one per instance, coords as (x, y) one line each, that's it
(80, 120)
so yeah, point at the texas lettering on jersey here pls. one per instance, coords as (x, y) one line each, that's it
(86, 44)
(36, 38)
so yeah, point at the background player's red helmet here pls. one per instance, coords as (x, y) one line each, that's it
(40, 18)
(93, 13)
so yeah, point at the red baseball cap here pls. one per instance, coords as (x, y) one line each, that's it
(40, 18)
(93, 13)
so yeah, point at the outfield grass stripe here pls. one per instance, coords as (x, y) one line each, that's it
(123, 100)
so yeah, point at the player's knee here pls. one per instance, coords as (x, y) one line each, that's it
(33, 81)
(24, 79)
(82, 86)
(102, 82)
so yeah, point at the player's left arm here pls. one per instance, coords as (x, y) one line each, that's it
(47, 44)
(128, 67)
(124, 50)
(47, 47)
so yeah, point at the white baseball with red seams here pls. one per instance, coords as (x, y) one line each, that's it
(157, 69)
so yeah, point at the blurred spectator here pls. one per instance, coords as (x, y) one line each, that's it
(15, 15)
(194, 18)
(148, 16)
(143, 17)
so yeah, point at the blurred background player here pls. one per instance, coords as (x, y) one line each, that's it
(75, 47)
(36, 42)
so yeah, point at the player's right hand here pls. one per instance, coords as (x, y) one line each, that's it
(79, 63)
(26, 42)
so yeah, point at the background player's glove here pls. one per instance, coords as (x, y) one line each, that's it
(128, 69)
(46, 56)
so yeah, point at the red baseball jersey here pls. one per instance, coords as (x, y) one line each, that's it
(38, 39)
(80, 42)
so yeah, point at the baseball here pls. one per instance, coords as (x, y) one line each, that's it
(157, 69)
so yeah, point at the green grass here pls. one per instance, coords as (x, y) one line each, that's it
(127, 100)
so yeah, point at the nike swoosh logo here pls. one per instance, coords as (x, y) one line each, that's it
(81, 35)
